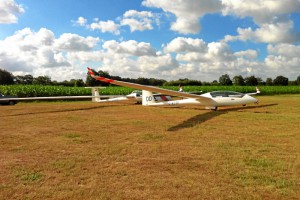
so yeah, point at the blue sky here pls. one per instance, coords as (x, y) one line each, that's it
(170, 39)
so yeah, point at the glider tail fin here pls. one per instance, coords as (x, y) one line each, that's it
(257, 90)
(254, 93)
(95, 94)
(148, 98)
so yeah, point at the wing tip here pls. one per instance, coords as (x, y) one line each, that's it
(99, 78)
(90, 71)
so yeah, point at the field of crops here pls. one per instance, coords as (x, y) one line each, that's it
(265, 90)
(41, 91)
(38, 90)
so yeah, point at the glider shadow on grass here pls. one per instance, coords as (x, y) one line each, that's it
(60, 110)
(201, 118)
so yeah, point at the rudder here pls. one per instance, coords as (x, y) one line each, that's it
(148, 98)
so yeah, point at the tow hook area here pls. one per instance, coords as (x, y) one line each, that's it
(211, 107)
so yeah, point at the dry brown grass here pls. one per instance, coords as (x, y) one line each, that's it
(82, 150)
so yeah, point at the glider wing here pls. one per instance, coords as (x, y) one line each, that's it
(150, 88)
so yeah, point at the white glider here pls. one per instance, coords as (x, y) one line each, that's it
(211, 100)
(136, 96)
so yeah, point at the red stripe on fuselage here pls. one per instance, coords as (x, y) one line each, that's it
(164, 98)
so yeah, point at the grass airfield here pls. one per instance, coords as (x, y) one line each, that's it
(85, 150)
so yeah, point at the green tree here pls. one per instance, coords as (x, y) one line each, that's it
(104, 74)
(225, 80)
(269, 81)
(156, 82)
(298, 80)
(238, 80)
(183, 82)
(74, 83)
(28, 79)
(281, 80)
(79, 83)
(251, 81)
(215, 82)
(6, 78)
(260, 81)
(205, 83)
(42, 80)
(143, 81)
(24, 80)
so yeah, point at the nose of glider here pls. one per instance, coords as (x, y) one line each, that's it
(252, 99)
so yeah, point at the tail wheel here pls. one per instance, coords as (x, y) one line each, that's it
(11, 103)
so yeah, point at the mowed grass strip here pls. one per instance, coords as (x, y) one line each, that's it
(84, 150)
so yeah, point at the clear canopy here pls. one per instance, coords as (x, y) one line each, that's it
(226, 94)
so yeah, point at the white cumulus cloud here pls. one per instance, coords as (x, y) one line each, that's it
(283, 59)
(40, 53)
(268, 33)
(157, 64)
(271, 16)
(106, 26)
(249, 54)
(187, 12)
(262, 11)
(189, 49)
(81, 21)
(130, 47)
(138, 21)
(9, 10)
(181, 44)
(74, 42)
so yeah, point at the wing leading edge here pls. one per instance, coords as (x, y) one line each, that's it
(201, 99)
(48, 98)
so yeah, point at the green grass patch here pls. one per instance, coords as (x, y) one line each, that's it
(72, 135)
(77, 138)
(28, 175)
(64, 164)
(259, 163)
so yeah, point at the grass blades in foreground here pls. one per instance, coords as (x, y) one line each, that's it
(84, 150)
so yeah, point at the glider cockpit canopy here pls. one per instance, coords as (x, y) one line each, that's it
(226, 94)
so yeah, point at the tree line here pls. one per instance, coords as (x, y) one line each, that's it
(7, 78)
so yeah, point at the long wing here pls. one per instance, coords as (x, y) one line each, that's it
(48, 98)
(150, 88)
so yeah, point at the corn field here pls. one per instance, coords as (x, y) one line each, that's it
(265, 90)
(42, 91)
